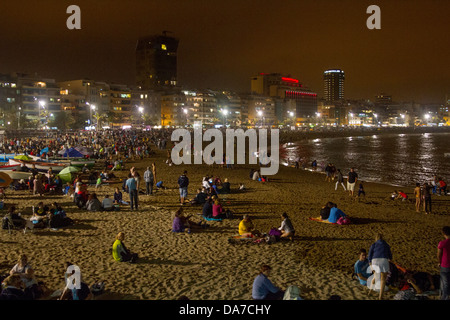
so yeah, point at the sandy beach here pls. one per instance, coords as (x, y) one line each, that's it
(203, 265)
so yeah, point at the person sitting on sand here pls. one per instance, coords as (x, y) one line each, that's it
(107, 203)
(83, 293)
(12, 288)
(42, 210)
(93, 204)
(120, 251)
(205, 182)
(256, 176)
(81, 197)
(246, 227)
(160, 185)
(14, 218)
(325, 210)
(442, 186)
(118, 197)
(58, 217)
(287, 229)
(414, 283)
(218, 210)
(335, 214)
(24, 270)
(361, 267)
(263, 288)
(401, 195)
(226, 188)
(200, 198)
(181, 223)
(207, 210)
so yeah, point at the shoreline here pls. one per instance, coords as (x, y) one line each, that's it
(298, 136)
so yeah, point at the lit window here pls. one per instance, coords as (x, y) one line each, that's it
(163, 47)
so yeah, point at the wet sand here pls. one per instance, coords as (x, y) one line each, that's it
(203, 265)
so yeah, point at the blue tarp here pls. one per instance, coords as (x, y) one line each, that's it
(45, 150)
(72, 153)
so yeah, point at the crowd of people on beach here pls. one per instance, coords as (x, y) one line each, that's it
(115, 148)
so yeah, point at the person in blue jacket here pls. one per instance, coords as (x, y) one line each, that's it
(263, 289)
(335, 214)
(379, 256)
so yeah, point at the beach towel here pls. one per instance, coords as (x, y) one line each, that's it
(319, 219)
(237, 239)
(212, 219)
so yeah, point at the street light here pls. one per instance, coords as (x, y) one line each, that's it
(225, 113)
(92, 109)
(260, 114)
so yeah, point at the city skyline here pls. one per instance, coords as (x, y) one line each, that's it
(223, 45)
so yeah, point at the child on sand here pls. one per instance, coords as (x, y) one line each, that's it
(361, 191)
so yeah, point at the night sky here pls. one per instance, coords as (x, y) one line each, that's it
(224, 43)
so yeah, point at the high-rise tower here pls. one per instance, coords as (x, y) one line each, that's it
(156, 62)
(333, 85)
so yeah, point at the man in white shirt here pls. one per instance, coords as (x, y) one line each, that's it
(107, 204)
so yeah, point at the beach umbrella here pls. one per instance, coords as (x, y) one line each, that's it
(23, 157)
(67, 174)
(5, 180)
(69, 169)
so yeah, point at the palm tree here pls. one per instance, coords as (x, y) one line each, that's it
(100, 118)
(63, 120)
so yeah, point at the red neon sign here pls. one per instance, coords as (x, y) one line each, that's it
(289, 80)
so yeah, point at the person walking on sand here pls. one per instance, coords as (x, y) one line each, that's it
(340, 180)
(183, 183)
(418, 195)
(148, 178)
(132, 191)
(379, 256)
(351, 181)
(444, 263)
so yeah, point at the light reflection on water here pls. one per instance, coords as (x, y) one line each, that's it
(397, 159)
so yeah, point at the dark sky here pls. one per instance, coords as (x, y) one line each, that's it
(224, 42)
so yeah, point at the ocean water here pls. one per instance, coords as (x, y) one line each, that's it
(394, 159)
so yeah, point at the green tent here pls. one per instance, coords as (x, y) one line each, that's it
(67, 174)
(23, 157)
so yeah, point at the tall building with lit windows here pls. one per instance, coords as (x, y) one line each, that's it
(333, 85)
(295, 96)
(156, 62)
